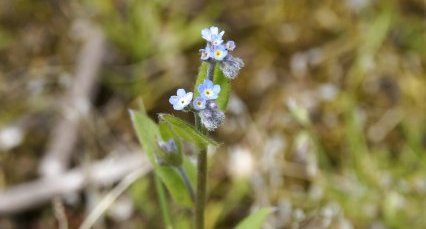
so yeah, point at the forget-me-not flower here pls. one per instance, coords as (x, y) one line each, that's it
(212, 35)
(218, 52)
(208, 90)
(199, 103)
(181, 99)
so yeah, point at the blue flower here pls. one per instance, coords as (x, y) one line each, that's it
(218, 52)
(230, 45)
(212, 35)
(199, 103)
(181, 99)
(208, 90)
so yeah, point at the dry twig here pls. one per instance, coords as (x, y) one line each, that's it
(102, 173)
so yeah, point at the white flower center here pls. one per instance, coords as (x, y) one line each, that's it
(207, 92)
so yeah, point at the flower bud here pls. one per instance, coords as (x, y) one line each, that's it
(211, 104)
(231, 66)
(168, 153)
(211, 117)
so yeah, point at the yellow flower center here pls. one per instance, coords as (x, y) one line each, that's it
(218, 53)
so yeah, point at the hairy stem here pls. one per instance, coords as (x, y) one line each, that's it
(201, 189)
(210, 69)
(200, 200)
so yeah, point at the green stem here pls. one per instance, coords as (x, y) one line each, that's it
(201, 182)
(201, 189)
(165, 211)
(210, 70)
(200, 200)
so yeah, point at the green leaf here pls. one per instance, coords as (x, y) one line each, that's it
(202, 74)
(174, 183)
(225, 88)
(187, 131)
(166, 132)
(190, 170)
(148, 133)
(255, 220)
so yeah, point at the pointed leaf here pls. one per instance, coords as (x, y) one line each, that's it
(225, 88)
(255, 220)
(174, 183)
(187, 131)
(148, 133)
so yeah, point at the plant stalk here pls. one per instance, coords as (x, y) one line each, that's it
(201, 194)
(200, 201)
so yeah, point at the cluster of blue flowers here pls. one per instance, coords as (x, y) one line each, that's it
(204, 104)
(215, 51)
(207, 90)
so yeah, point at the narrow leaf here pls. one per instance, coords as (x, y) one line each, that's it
(165, 131)
(148, 133)
(255, 220)
(187, 131)
(174, 183)
(202, 74)
(225, 87)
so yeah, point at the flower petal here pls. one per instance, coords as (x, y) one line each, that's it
(177, 106)
(216, 89)
(180, 92)
(214, 30)
(173, 99)
(188, 97)
(201, 88)
(208, 83)
(205, 33)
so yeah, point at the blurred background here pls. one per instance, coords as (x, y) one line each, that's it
(326, 123)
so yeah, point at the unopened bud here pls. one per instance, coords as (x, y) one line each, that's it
(169, 153)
